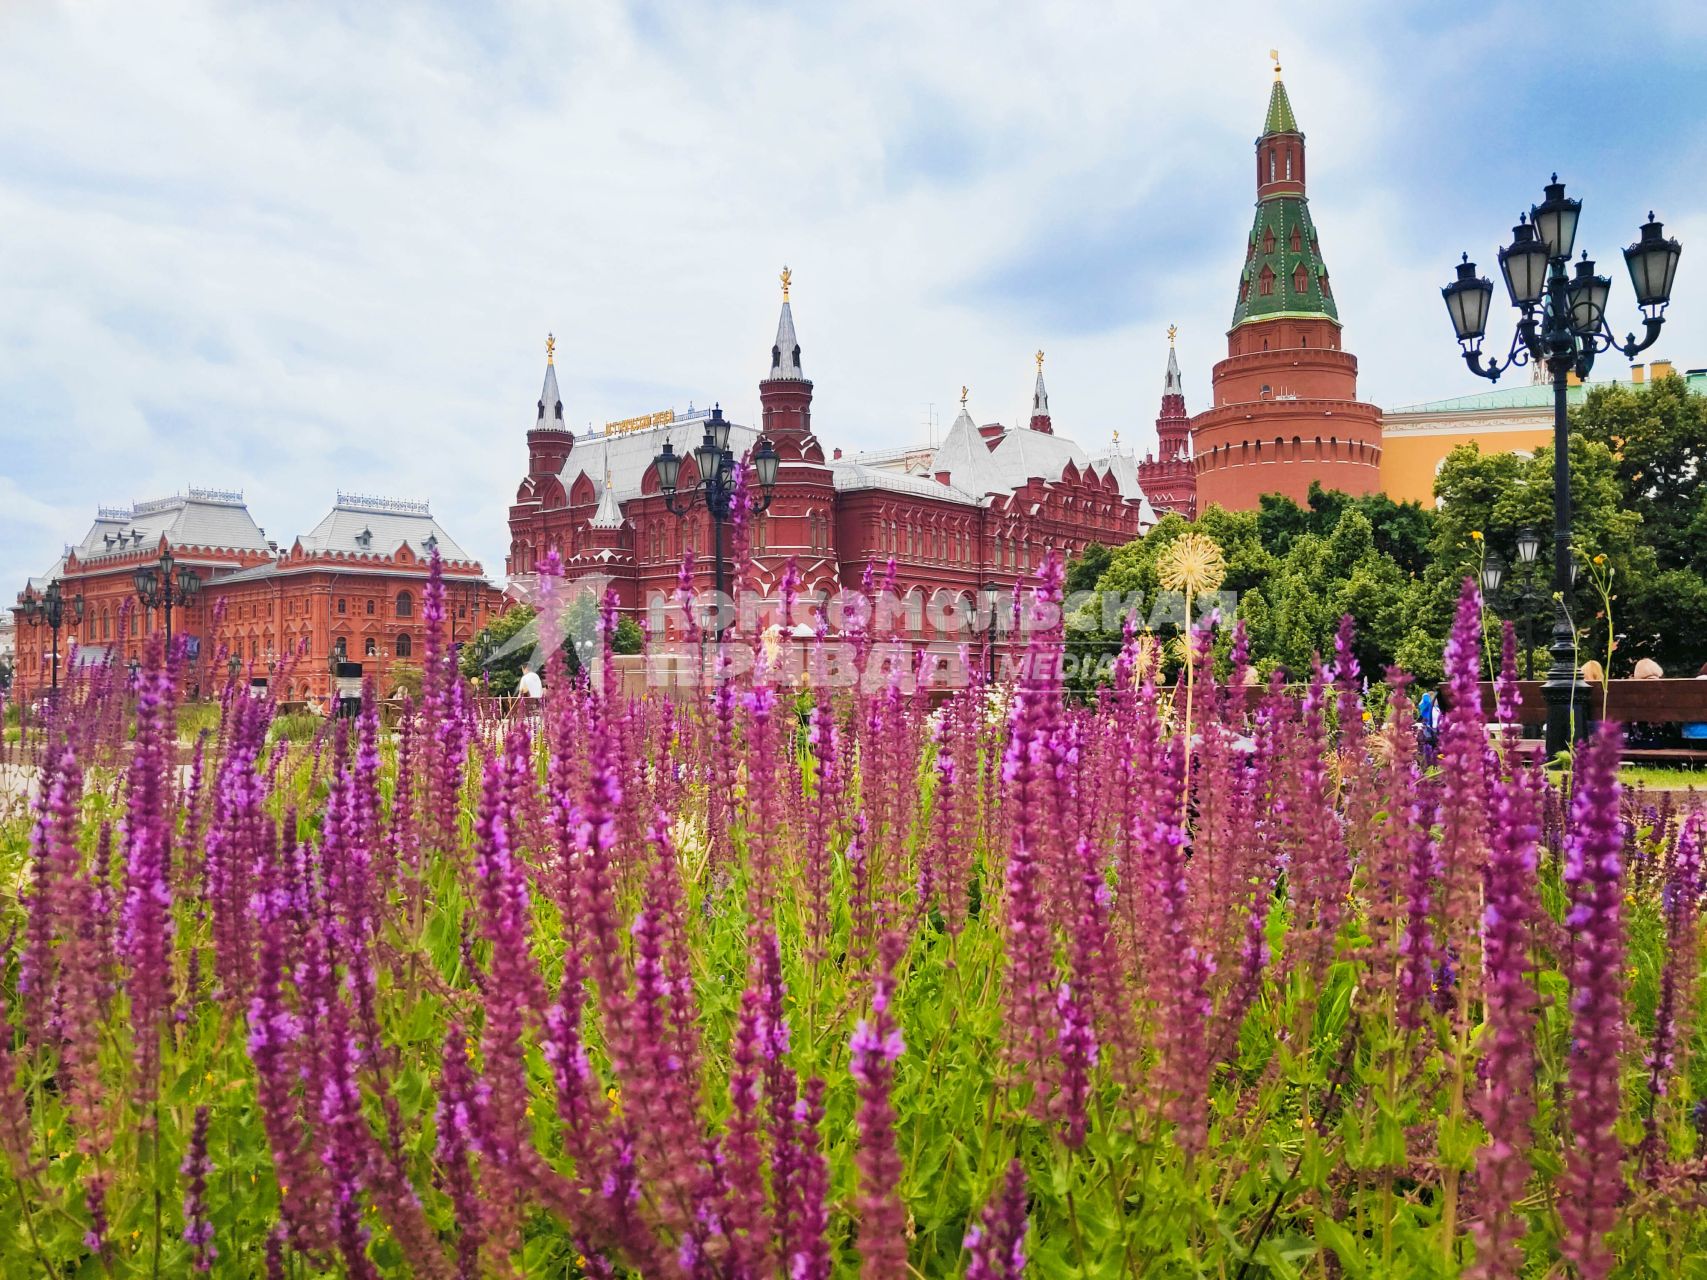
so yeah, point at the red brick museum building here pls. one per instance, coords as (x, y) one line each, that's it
(980, 509)
(351, 588)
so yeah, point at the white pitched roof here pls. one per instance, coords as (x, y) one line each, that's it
(1023, 453)
(847, 475)
(965, 455)
(625, 458)
(359, 525)
(196, 518)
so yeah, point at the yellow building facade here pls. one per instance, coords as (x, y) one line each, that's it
(1416, 438)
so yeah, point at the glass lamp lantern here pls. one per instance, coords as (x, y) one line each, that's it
(1653, 266)
(1555, 219)
(1588, 298)
(1493, 573)
(1528, 546)
(1524, 265)
(708, 455)
(765, 463)
(1467, 300)
(669, 467)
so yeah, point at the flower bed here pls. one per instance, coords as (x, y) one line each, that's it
(863, 982)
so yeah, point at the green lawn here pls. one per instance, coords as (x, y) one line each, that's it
(1653, 777)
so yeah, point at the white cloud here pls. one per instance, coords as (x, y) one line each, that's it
(297, 248)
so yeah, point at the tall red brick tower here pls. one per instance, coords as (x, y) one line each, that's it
(1167, 476)
(1285, 410)
(801, 521)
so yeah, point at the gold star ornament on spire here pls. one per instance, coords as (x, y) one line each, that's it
(1274, 56)
(1173, 330)
(787, 278)
(551, 348)
(1040, 359)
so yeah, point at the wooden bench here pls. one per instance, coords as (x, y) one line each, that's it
(1658, 702)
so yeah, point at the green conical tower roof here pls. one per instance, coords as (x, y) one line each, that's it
(1284, 274)
(1280, 118)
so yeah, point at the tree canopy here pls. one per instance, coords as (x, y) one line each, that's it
(1396, 568)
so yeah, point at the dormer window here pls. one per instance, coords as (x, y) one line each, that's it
(1300, 279)
(1268, 241)
(1326, 291)
(365, 538)
(1265, 282)
(559, 411)
(1297, 240)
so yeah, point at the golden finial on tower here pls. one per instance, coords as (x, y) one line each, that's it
(551, 348)
(1274, 54)
(963, 394)
(1173, 329)
(1040, 359)
(1117, 438)
(787, 278)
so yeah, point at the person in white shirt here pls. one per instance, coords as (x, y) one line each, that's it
(531, 685)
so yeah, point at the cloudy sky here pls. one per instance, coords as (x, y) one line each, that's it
(292, 248)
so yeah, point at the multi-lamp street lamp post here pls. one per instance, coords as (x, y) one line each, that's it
(716, 464)
(1562, 325)
(47, 608)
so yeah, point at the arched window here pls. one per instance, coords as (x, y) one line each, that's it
(339, 650)
(370, 649)
(340, 604)
(1271, 164)
(370, 608)
(406, 604)
(404, 646)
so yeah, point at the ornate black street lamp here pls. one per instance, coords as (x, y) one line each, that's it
(47, 609)
(716, 463)
(167, 583)
(1562, 325)
(1523, 594)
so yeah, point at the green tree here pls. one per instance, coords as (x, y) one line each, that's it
(1498, 494)
(1658, 441)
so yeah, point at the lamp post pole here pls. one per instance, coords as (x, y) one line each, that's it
(716, 464)
(1562, 325)
(1523, 596)
(48, 609)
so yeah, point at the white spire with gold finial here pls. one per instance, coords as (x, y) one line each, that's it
(1173, 384)
(785, 352)
(1040, 399)
(550, 415)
